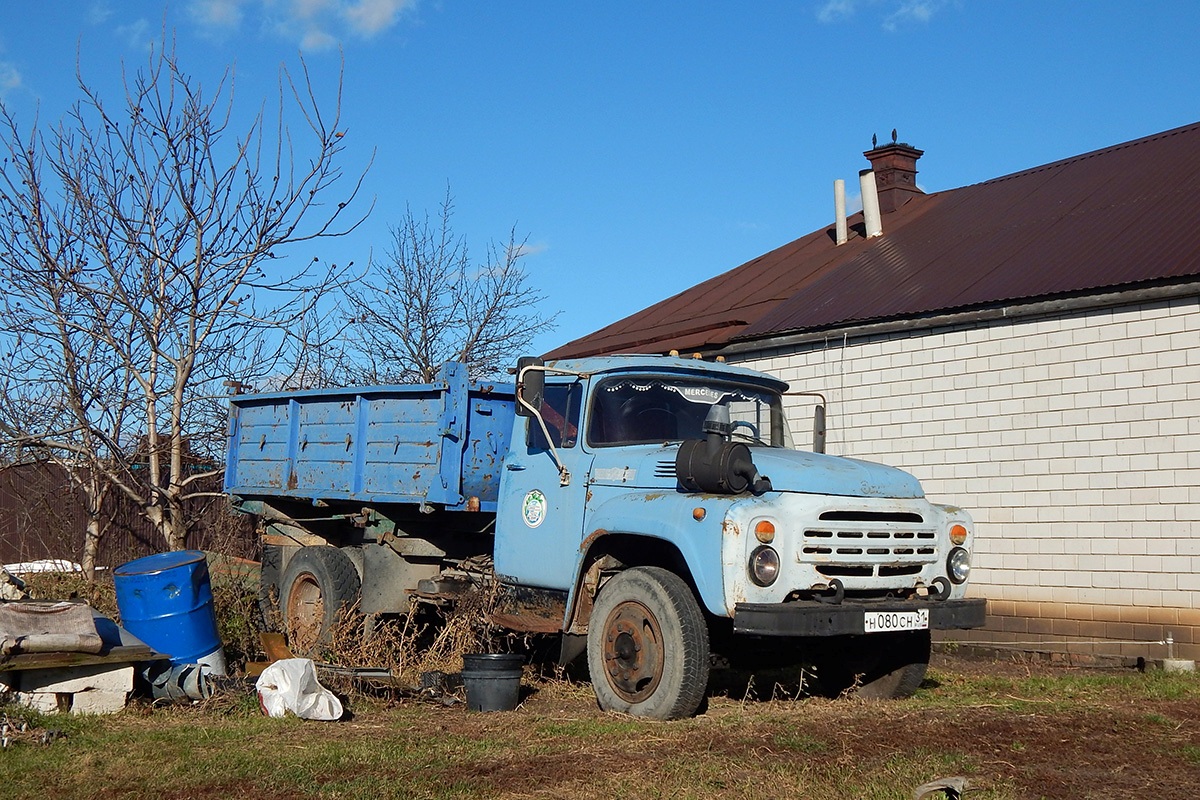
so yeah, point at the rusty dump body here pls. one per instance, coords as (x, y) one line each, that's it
(430, 444)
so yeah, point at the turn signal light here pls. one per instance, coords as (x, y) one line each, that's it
(958, 534)
(764, 531)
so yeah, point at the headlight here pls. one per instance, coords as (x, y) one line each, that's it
(958, 565)
(764, 566)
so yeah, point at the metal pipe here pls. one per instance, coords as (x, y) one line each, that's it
(839, 210)
(870, 199)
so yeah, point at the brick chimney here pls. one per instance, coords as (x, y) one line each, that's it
(895, 168)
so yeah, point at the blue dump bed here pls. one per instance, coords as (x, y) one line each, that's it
(440, 443)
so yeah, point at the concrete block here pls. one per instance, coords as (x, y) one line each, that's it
(95, 677)
(45, 702)
(93, 689)
(90, 702)
(96, 702)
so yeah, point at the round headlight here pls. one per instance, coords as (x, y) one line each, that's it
(958, 565)
(764, 566)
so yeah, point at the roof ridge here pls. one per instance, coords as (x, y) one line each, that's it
(1112, 148)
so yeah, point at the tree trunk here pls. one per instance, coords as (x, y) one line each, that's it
(91, 546)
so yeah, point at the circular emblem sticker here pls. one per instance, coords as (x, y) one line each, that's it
(533, 508)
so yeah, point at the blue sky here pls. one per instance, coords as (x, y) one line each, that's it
(645, 147)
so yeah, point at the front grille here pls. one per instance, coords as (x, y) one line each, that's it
(869, 543)
(664, 469)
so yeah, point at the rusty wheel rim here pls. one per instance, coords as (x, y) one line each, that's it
(633, 652)
(305, 613)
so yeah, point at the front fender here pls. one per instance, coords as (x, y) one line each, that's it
(669, 517)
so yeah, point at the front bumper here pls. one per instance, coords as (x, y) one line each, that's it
(813, 618)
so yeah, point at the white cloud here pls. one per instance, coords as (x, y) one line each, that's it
(369, 17)
(137, 34)
(221, 14)
(920, 11)
(896, 13)
(99, 13)
(311, 9)
(526, 250)
(10, 78)
(317, 39)
(836, 10)
(314, 24)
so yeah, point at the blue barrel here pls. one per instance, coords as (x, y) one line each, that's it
(166, 601)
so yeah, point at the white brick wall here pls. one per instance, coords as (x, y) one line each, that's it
(1073, 440)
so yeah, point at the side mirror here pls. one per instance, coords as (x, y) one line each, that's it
(531, 385)
(819, 429)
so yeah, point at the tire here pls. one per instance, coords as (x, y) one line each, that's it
(269, 580)
(647, 646)
(874, 666)
(318, 584)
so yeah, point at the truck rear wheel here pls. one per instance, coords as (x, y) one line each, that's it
(883, 666)
(648, 646)
(318, 584)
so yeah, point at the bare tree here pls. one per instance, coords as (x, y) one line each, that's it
(139, 264)
(426, 303)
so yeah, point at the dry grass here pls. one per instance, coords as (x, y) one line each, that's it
(427, 640)
(99, 594)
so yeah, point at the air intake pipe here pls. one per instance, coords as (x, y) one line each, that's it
(715, 465)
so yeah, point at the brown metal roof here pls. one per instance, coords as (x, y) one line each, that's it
(1115, 218)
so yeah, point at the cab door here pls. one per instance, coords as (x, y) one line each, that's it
(539, 522)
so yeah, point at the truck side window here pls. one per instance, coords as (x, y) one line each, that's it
(560, 410)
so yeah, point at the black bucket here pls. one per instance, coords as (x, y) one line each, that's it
(492, 680)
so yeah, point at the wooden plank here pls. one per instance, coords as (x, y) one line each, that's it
(128, 653)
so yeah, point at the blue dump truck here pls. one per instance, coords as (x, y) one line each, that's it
(650, 510)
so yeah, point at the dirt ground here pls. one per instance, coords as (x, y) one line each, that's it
(1010, 740)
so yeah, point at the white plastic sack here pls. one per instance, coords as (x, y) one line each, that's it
(291, 684)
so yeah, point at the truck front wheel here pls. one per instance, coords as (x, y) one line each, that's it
(648, 646)
(318, 583)
(876, 666)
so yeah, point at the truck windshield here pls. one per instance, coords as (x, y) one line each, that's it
(661, 409)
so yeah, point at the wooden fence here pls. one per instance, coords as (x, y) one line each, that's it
(42, 516)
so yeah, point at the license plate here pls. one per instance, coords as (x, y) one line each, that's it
(885, 621)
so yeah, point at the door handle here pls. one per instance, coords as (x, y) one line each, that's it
(514, 467)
